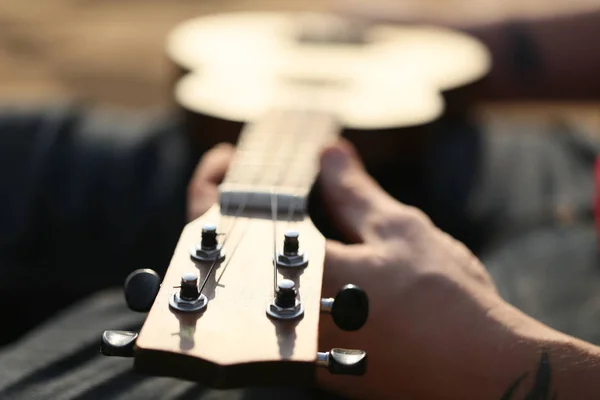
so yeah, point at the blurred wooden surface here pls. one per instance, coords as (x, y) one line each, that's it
(106, 51)
(111, 51)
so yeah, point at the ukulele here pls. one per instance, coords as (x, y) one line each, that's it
(241, 301)
(388, 82)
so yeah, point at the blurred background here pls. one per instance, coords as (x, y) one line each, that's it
(111, 54)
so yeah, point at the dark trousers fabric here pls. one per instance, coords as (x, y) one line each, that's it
(90, 196)
(86, 198)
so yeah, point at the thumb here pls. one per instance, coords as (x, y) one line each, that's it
(351, 197)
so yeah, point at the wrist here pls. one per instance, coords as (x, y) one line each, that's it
(528, 359)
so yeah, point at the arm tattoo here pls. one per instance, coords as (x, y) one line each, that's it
(541, 385)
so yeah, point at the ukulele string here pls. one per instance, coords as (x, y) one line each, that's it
(274, 218)
(241, 207)
(226, 236)
(274, 210)
(293, 203)
(274, 198)
(291, 210)
(311, 97)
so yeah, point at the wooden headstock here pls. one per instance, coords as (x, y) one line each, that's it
(241, 299)
(234, 342)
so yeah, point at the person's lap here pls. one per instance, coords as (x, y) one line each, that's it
(88, 197)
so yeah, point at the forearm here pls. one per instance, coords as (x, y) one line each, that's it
(555, 57)
(564, 370)
(551, 55)
(532, 361)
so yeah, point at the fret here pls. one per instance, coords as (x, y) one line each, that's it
(278, 153)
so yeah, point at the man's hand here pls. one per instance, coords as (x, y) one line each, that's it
(430, 297)
(202, 190)
(437, 326)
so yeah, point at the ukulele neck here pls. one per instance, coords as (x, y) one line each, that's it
(276, 163)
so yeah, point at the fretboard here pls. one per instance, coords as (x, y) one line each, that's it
(277, 154)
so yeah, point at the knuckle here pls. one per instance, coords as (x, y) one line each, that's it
(417, 217)
(407, 221)
(432, 281)
(381, 258)
(482, 276)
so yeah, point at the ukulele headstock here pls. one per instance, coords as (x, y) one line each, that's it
(241, 300)
(223, 317)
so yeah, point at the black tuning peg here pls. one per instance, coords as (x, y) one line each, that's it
(141, 288)
(118, 343)
(344, 361)
(349, 309)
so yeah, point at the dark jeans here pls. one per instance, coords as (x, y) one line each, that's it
(90, 196)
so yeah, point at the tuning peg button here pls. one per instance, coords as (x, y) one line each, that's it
(285, 305)
(118, 343)
(344, 361)
(209, 237)
(141, 288)
(208, 250)
(189, 298)
(349, 309)
(292, 256)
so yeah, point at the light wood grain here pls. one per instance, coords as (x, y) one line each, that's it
(233, 339)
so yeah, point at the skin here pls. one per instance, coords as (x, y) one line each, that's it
(563, 60)
(437, 327)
